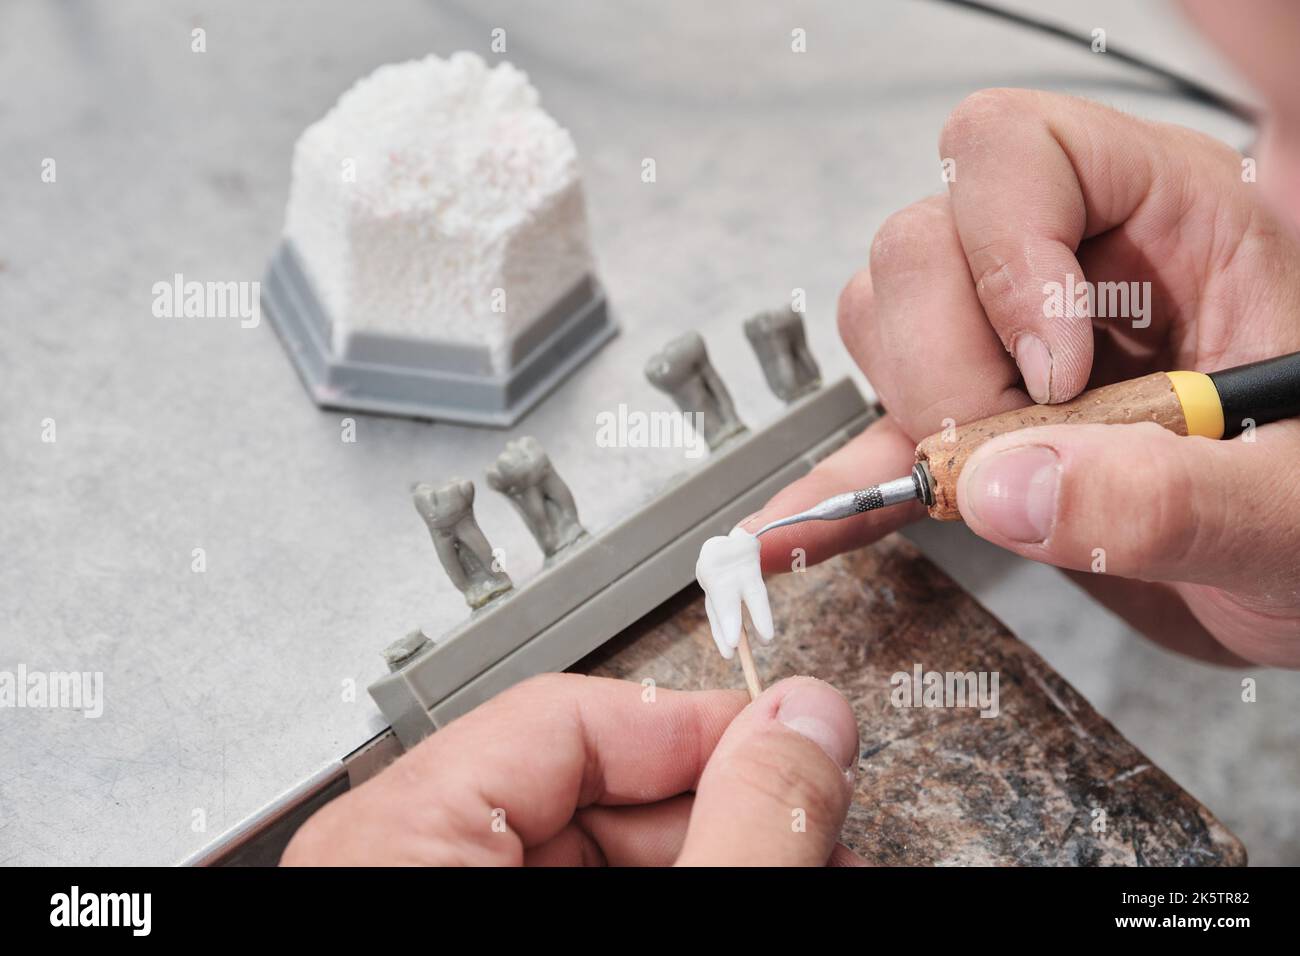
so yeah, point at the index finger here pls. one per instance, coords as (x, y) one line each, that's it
(1035, 175)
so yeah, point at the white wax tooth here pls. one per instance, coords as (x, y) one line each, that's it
(729, 571)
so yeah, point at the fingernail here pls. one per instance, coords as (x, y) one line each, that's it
(1014, 492)
(1035, 363)
(752, 523)
(820, 713)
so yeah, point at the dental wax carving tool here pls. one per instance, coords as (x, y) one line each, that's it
(730, 574)
(1215, 405)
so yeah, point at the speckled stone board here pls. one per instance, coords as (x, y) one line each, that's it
(944, 786)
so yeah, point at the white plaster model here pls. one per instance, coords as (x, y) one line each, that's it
(729, 571)
(437, 200)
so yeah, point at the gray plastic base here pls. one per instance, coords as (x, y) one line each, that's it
(420, 378)
(608, 581)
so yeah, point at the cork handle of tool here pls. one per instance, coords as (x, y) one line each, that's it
(1147, 399)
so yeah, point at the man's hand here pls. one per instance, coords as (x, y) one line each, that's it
(948, 323)
(571, 770)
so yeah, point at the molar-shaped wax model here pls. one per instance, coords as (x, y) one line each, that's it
(782, 348)
(683, 370)
(523, 473)
(448, 510)
(729, 572)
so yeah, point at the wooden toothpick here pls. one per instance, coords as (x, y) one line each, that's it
(752, 681)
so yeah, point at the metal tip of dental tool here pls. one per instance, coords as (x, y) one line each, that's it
(913, 487)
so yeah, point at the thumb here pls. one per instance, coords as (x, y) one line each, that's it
(777, 787)
(1141, 502)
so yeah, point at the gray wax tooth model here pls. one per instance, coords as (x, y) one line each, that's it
(782, 348)
(683, 370)
(523, 473)
(448, 510)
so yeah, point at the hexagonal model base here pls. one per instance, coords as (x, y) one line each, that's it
(425, 378)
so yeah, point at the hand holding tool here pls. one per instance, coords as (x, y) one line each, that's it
(1214, 405)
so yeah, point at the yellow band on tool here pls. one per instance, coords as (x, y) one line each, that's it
(1200, 401)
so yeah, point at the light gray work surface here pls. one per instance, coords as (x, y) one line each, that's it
(224, 689)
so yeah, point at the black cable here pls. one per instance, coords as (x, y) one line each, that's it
(1181, 84)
